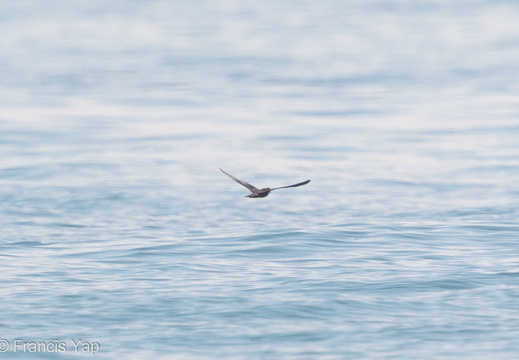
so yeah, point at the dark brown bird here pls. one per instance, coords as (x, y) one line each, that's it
(261, 193)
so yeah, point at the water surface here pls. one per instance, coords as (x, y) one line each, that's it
(117, 227)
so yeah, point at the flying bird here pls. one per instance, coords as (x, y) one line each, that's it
(261, 193)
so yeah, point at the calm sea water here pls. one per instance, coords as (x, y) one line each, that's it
(119, 236)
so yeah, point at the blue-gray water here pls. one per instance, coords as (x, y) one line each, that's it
(117, 228)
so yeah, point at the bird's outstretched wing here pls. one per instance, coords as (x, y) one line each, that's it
(289, 186)
(244, 183)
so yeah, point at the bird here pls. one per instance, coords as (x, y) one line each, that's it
(261, 193)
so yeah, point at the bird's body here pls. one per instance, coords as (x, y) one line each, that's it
(260, 193)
